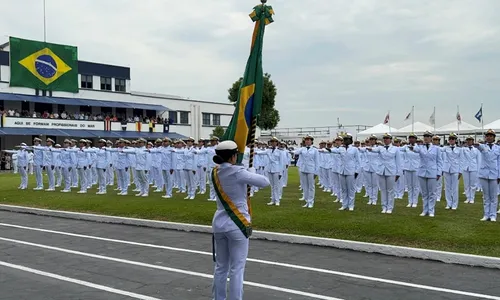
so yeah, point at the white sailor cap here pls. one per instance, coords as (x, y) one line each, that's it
(23, 145)
(226, 145)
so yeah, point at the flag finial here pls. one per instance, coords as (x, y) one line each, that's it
(263, 1)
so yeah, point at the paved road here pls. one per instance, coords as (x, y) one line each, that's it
(53, 258)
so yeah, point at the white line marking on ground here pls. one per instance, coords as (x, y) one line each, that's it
(272, 263)
(76, 281)
(168, 269)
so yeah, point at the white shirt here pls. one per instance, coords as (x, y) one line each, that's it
(234, 180)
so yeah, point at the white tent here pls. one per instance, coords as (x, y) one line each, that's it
(418, 128)
(465, 128)
(376, 130)
(495, 125)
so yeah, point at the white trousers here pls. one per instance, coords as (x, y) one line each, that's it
(211, 184)
(490, 195)
(110, 176)
(428, 189)
(23, 171)
(348, 189)
(285, 177)
(101, 179)
(39, 176)
(142, 180)
(275, 187)
(59, 176)
(470, 184)
(372, 187)
(74, 177)
(202, 179)
(167, 182)
(231, 250)
(15, 166)
(309, 187)
(121, 175)
(191, 182)
(399, 187)
(439, 188)
(66, 173)
(83, 179)
(51, 174)
(30, 168)
(413, 186)
(451, 189)
(387, 185)
(336, 185)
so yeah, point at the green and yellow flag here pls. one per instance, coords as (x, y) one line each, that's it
(43, 66)
(249, 101)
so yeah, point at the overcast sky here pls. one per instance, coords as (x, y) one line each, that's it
(352, 59)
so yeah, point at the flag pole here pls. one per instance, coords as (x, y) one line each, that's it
(44, 23)
(459, 119)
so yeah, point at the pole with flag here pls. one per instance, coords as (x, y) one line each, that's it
(387, 120)
(243, 124)
(459, 121)
(432, 118)
(411, 114)
(479, 117)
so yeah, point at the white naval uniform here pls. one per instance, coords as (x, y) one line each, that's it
(142, 166)
(431, 166)
(370, 168)
(451, 169)
(410, 167)
(349, 166)
(82, 163)
(309, 168)
(325, 171)
(202, 163)
(275, 168)
(336, 188)
(471, 160)
(22, 161)
(122, 168)
(38, 163)
(68, 163)
(30, 163)
(439, 184)
(231, 245)
(489, 173)
(14, 163)
(391, 166)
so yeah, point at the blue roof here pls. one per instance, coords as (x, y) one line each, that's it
(80, 102)
(89, 133)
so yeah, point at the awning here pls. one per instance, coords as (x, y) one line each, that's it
(90, 133)
(80, 102)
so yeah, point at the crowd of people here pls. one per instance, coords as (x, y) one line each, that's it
(83, 116)
(386, 169)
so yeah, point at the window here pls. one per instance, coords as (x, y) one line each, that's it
(172, 116)
(184, 117)
(25, 106)
(86, 82)
(85, 109)
(206, 119)
(138, 113)
(106, 83)
(61, 108)
(120, 85)
(216, 120)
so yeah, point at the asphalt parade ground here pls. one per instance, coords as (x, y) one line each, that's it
(55, 258)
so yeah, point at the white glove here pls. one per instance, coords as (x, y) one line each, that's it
(252, 170)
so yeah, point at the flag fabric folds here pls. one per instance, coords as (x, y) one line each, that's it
(249, 103)
(43, 66)
(479, 114)
(432, 118)
(408, 116)
(459, 118)
(138, 126)
(387, 119)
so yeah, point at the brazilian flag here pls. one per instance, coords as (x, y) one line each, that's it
(43, 66)
(249, 101)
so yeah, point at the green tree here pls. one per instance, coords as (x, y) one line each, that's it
(269, 116)
(218, 132)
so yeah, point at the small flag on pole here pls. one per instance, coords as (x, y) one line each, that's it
(479, 114)
(387, 118)
(459, 118)
(432, 118)
(408, 116)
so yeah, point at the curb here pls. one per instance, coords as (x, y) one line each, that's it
(398, 251)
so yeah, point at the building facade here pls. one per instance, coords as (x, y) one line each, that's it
(104, 107)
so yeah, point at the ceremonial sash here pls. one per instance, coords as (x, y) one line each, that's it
(231, 209)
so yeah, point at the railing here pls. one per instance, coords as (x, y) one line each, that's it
(314, 131)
